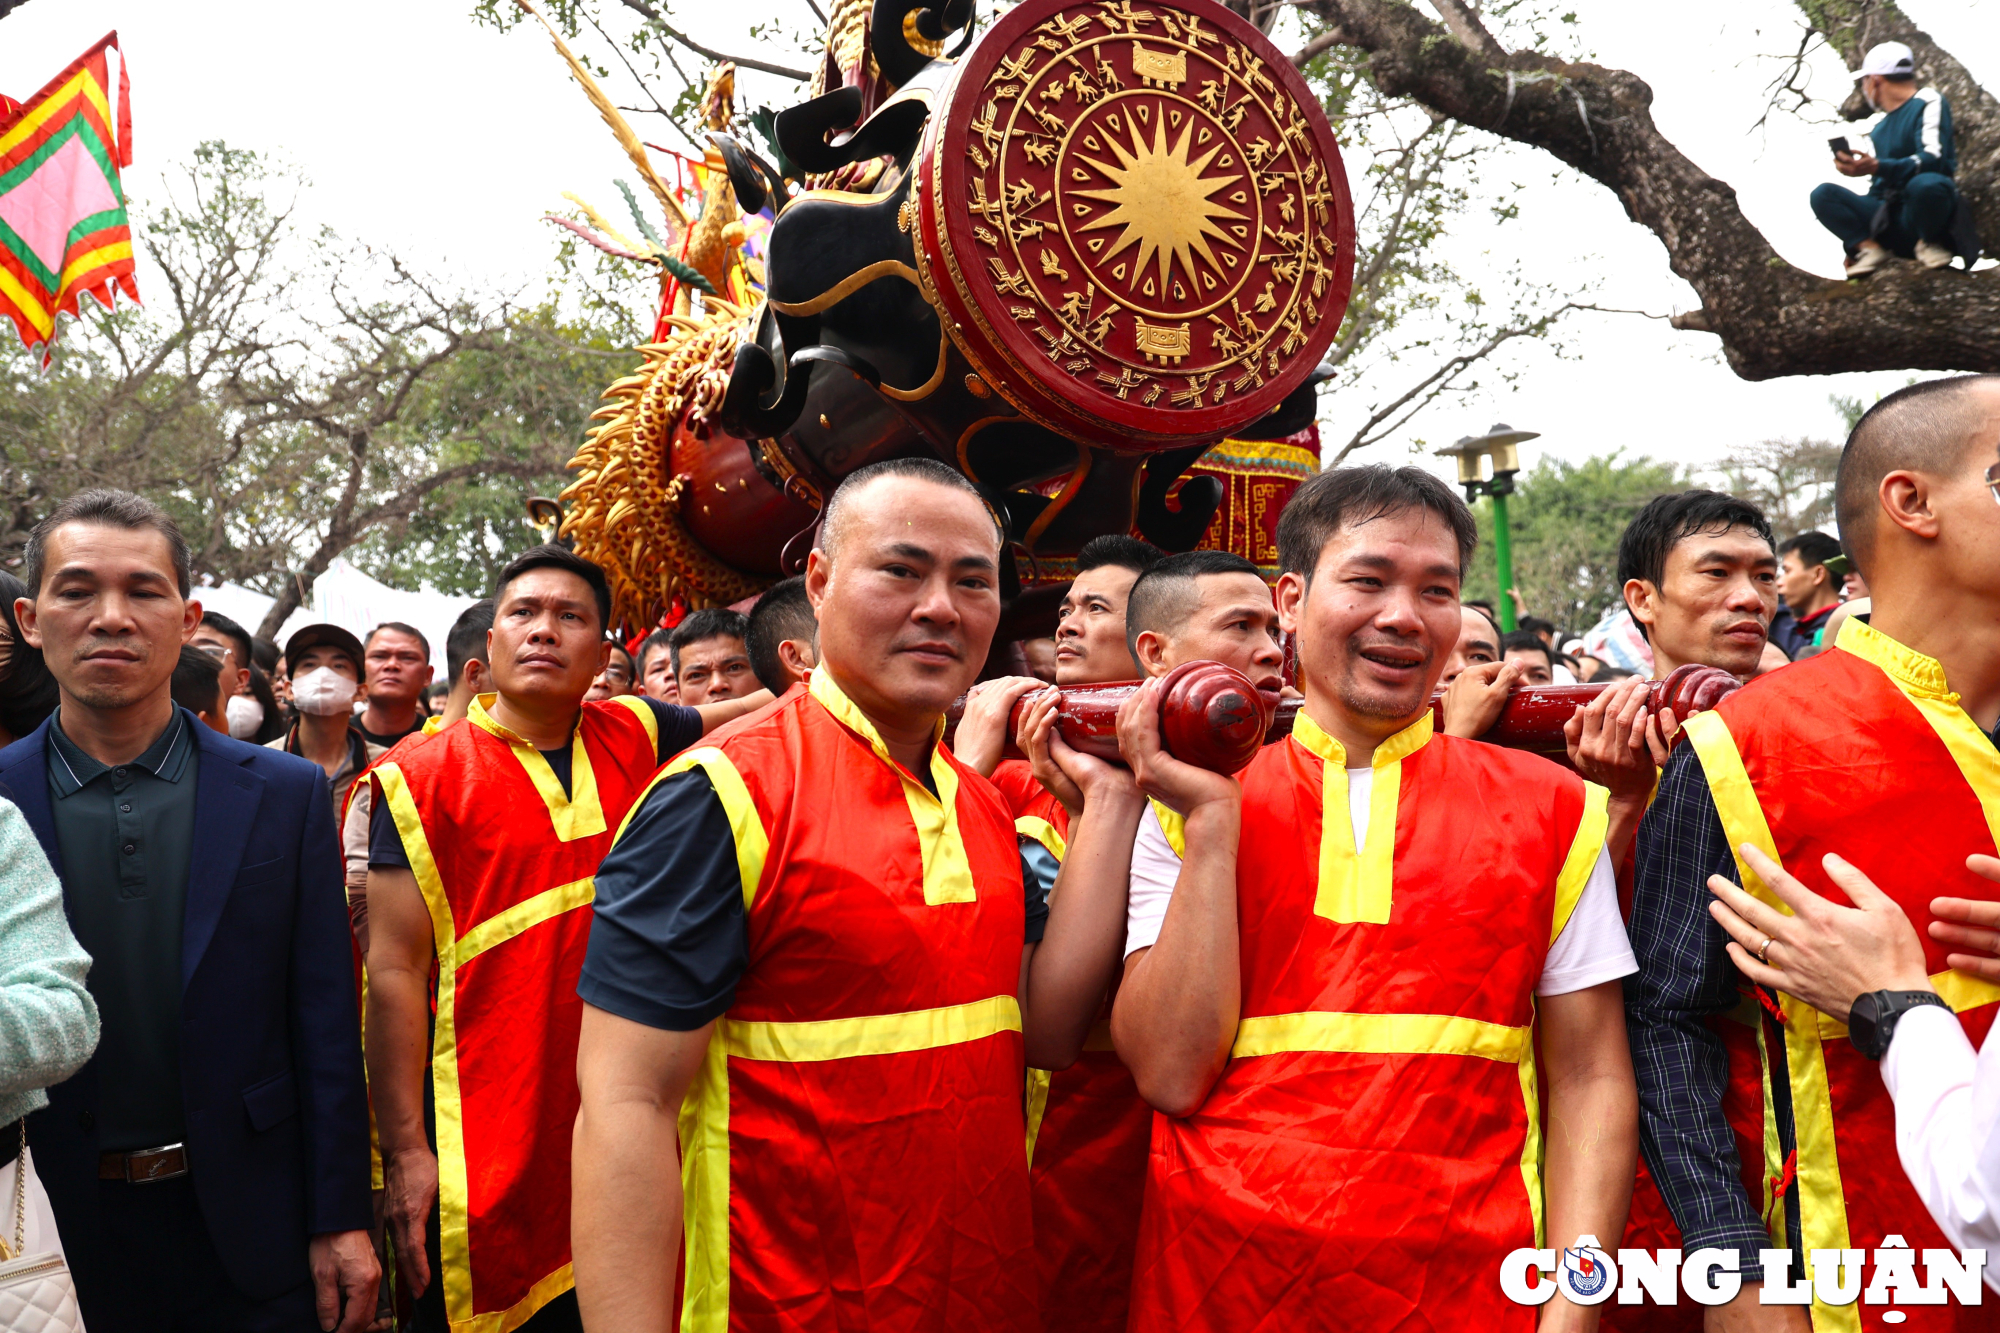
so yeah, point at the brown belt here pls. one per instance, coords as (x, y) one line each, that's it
(143, 1166)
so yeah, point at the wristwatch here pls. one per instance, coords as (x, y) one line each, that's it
(1872, 1022)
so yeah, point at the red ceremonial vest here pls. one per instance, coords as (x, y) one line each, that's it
(1372, 1149)
(1088, 1135)
(505, 861)
(1036, 811)
(852, 1147)
(1865, 753)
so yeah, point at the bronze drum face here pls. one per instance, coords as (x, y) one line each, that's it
(1134, 220)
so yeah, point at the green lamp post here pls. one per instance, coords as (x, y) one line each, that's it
(1502, 445)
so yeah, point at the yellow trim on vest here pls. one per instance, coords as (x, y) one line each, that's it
(1379, 1034)
(575, 814)
(1584, 850)
(1822, 1206)
(522, 916)
(876, 1034)
(1173, 824)
(1775, 1221)
(530, 1305)
(1958, 989)
(753, 845)
(1356, 885)
(454, 1223)
(1042, 831)
(644, 712)
(1921, 679)
(947, 869)
(704, 1135)
(1037, 1106)
(1531, 1143)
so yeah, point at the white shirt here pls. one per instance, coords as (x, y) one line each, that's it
(1947, 1114)
(1592, 948)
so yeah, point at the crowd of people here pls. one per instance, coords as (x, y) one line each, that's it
(702, 982)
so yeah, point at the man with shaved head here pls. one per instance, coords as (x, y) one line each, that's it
(814, 975)
(1878, 752)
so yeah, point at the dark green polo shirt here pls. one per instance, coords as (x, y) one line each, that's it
(125, 833)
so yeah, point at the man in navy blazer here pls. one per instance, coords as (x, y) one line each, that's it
(209, 1166)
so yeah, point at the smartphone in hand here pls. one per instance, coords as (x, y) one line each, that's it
(1839, 145)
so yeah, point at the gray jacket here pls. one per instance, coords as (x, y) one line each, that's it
(48, 1022)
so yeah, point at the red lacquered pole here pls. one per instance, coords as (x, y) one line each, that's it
(1212, 717)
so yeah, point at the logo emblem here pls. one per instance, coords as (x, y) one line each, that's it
(1587, 1274)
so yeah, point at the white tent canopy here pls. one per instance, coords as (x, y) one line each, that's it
(346, 597)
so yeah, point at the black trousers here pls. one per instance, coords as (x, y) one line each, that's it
(156, 1271)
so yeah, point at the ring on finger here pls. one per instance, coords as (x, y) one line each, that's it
(1764, 950)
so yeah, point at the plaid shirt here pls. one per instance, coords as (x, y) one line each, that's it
(1685, 978)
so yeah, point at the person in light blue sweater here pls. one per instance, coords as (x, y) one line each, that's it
(1911, 199)
(48, 1022)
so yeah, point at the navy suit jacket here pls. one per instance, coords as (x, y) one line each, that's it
(271, 1079)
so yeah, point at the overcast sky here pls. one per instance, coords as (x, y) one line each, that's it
(447, 141)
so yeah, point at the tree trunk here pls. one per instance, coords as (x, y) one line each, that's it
(1773, 319)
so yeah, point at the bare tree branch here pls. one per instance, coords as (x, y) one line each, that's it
(1391, 417)
(645, 88)
(1465, 25)
(659, 20)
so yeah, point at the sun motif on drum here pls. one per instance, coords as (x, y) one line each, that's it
(1151, 202)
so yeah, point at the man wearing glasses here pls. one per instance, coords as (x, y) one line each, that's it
(617, 678)
(1877, 753)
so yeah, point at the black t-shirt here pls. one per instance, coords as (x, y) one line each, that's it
(388, 740)
(679, 727)
(668, 939)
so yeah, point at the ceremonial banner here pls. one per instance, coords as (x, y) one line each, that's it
(63, 229)
(1258, 478)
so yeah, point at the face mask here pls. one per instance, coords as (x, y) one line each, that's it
(323, 692)
(246, 716)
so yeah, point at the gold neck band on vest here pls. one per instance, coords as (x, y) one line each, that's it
(576, 813)
(1355, 884)
(947, 869)
(1921, 680)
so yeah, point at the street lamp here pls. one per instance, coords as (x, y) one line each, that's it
(1502, 445)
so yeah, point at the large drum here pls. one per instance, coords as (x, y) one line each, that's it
(1133, 219)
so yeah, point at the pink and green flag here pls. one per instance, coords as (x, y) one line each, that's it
(63, 229)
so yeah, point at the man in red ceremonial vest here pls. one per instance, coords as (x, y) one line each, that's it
(1878, 751)
(1375, 939)
(485, 840)
(807, 996)
(1090, 649)
(1088, 1128)
(1700, 576)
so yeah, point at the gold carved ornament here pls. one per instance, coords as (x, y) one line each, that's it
(1149, 202)
(623, 509)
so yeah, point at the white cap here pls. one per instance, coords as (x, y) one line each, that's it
(1887, 58)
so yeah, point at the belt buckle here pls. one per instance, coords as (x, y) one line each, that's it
(144, 1166)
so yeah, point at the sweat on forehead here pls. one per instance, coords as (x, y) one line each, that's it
(851, 497)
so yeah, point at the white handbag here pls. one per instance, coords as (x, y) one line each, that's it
(36, 1293)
